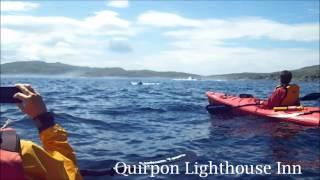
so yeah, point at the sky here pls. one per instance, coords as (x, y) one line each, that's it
(202, 37)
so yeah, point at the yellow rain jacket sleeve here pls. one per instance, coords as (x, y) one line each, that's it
(54, 160)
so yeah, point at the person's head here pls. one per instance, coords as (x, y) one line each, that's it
(285, 77)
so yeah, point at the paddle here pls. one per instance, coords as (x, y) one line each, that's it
(223, 108)
(310, 97)
(188, 156)
(218, 108)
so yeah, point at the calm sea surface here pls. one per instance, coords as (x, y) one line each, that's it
(112, 120)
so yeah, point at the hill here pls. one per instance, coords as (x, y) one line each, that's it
(43, 68)
(309, 73)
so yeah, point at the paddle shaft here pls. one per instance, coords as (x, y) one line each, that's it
(308, 97)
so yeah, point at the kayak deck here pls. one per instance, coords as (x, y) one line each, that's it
(309, 116)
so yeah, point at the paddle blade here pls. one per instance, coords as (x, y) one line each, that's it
(310, 97)
(245, 95)
(213, 109)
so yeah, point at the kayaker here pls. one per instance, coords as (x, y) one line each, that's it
(285, 94)
(23, 159)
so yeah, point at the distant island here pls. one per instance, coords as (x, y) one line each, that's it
(310, 73)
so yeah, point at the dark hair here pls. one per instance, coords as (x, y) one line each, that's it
(285, 77)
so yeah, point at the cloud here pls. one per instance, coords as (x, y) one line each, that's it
(173, 42)
(207, 46)
(106, 18)
(101, 23)
(71, 40)
(250, 28)
(221, 29)
(219, 60)
(163, 19)
(17, 6)
(118, 3)
(119, 46)
(46, 28)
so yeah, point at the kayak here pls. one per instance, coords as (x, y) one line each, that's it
(308, 116)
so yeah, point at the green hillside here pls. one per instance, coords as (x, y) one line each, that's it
(43, 68)
(309, 73)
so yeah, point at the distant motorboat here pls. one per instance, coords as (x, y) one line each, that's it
(190, 78)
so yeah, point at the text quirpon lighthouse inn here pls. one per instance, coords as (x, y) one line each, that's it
(152, 169)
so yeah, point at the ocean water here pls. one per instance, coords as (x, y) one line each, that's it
(116, 119)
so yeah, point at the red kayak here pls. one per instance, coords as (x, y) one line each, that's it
(308, 116)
